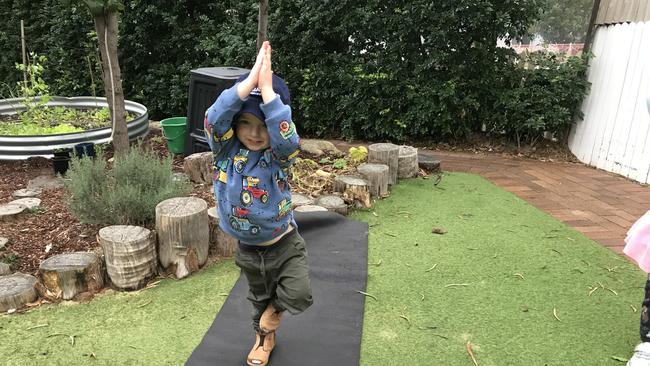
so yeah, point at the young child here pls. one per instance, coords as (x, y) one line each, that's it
(637, 247)
(254, 142)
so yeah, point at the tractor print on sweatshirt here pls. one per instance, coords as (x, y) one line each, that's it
(240, 160)
(251, 190)
(219, 171)
(239, 222)
(284, 207)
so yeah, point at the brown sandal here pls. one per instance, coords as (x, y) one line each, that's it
(259, 355)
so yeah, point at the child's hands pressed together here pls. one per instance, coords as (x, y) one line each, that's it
(265, 81)
(251, 82)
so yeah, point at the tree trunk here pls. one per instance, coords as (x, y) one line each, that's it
(66, 275)
(262, 23)
(183, 234)
(106, 26)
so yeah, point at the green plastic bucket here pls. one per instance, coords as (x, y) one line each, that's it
(175, 131)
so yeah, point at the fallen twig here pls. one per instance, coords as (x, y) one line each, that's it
(403, 316)
(145, 304)
(468, 347)
(376, 264)
(457, 284)
(520, 276)
(557, 251)
(366, 294)
(555, 314)
(633, 308)
(37, 326)
(431, 269)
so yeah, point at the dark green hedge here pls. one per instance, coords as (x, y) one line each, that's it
(402, 69)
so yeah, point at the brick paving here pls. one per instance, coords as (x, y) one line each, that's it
(599, 204)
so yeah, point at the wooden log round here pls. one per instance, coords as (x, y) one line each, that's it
(5, 269)
(333, 203)
(29, 202)
(387, 154)
(429, 163)
(198, 167)
(354, 189)
(183, 234)
(378, 176)
(298, 199)
(221, 243)
(16, 291)
(26, 193)
(11, 211)
(407, 166)
(66, 275)
(310, 208)
(130, 254)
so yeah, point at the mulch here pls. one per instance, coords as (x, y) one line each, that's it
(54, 226)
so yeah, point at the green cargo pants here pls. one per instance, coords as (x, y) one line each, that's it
(276, 274)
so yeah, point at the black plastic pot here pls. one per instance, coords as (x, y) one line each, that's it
(60, 164)
(85, 149)
(62, 152)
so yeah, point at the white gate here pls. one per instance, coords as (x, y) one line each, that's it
(615, 132)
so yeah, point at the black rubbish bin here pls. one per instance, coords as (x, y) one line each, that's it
(205, 86)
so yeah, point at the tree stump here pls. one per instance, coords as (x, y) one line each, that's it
(298, 200)
(221, 243)
(387, 154)
(378, 176)
(333, 203)
(11, 211)
(29, 202)
(183, 234)
(5, 269)
(407, 166)
(130, 254)
(16, 290)
(26, 193)
(429, 163)
(310, 208)
(66, 275)
(354, 189)
(198, 167)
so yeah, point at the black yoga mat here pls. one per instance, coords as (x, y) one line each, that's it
(329, 332)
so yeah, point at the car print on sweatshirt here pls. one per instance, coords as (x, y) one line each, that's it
(251, 190)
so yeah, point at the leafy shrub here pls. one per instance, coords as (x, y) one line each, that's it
(544, 93)
(125, 193)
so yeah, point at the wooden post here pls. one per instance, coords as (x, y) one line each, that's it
(130, 254)
(378, 176)
(66, 275)
(387, 154)
(183, 234)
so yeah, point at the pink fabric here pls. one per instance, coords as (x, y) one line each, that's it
(637, 242)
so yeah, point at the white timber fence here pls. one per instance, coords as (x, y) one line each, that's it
(615, 132)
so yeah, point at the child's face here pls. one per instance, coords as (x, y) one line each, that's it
(252, 132)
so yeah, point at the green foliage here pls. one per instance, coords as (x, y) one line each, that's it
(25, 129)
(564, 21)
(340, 164)
(125, 193)
(544, 93)
(358, 154)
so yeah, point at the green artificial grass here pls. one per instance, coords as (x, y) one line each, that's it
(494, 280)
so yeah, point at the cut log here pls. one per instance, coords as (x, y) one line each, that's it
(16, 291)
(407, 166)
(183, 234)
(26, 193)
(333, 203)
(5, 269)
(198, 167)
(310, 208)
(29, 202)
(354, 189)
(130, 255)
(221, 243)
(387, 154)
(3, 242)
(10, 211)
(298, 199)
(66, 275)
(429, 163)
(378, 176)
